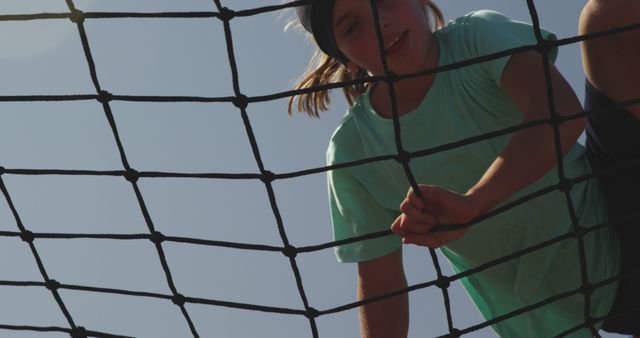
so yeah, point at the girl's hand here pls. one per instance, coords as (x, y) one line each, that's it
(437, 206)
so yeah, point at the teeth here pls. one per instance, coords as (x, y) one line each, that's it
(395, 40)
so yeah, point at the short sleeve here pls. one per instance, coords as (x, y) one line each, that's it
(489, 32)
(354, 213)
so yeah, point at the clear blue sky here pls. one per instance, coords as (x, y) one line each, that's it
(185, 57)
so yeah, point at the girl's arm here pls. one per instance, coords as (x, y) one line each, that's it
(531, 152)
(388, 318)
(528, 156)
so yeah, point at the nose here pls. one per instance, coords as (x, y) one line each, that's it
(383, 18)
(383, 22)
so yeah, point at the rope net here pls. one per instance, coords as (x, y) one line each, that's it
(241, 101)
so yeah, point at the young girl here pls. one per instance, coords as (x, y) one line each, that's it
(444, 108)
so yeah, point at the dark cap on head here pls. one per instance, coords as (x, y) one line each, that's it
(317, 18)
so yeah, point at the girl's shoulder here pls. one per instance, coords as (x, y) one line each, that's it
(346, 143)
(342, 140)
(484, 32)
(478, 19)
(479, 24)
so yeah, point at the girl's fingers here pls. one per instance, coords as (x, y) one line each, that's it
(422, 239)
(395, 226)
(414, 199)
(433, 240)
(416, 214)
(404, 225)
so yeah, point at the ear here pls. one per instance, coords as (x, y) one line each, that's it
(352, 67)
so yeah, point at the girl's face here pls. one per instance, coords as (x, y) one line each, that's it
(404, 27)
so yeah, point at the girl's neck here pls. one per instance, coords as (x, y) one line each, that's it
(409, 92)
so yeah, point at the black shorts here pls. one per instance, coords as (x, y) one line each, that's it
(613, 144)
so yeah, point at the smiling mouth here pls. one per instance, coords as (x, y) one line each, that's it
(395, 41)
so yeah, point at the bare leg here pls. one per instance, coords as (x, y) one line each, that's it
(612, 63)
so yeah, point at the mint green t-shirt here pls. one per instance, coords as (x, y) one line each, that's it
(462, 103)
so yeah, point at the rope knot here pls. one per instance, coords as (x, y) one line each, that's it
(178, 299)
(391, 78)
(132, 175)
(27, 236)
(587, 289)
(544, 46)
(52, 285)
(104, 96)
(241, 101)
(226, 14)
(267, 176)
(76, 16)
(79, 332)
(565, 186)
(591, 321)
(312, 313)
(455, 333)
(403, 157)
(443, 282)
(579, 232)
(557, 119)
(157, 237)
(290, 251)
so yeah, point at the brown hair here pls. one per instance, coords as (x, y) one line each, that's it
(323, 69)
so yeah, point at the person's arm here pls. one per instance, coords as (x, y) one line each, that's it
(528, 156)
(388, 318)
(531, 152)
(613, 73)
(601, 15)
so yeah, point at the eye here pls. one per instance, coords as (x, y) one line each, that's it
(351, 28)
